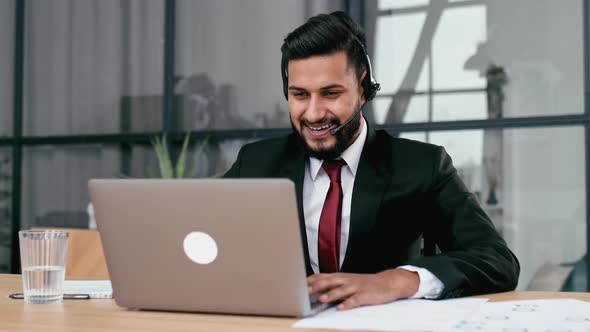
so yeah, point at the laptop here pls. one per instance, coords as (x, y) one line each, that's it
(203, 245)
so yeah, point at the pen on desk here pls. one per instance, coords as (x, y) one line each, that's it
(20, 296)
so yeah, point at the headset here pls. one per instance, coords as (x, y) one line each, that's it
(370, 85)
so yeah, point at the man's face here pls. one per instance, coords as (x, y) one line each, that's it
(324, 93)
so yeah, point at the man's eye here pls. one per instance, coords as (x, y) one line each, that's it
(299, 94)
(332, 93)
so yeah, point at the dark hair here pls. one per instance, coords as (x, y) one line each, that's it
(327, 34)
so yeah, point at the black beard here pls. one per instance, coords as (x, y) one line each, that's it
(344, 139)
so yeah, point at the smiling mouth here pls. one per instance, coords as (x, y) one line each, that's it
(321, 128)
(320, 131)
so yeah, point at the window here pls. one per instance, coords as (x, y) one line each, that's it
(93, 67)
(228, 61)
(531, 184)
(478, 53)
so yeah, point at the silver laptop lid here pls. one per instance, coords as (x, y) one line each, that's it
(208, 245)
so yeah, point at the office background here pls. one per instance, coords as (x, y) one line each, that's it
(503, 85)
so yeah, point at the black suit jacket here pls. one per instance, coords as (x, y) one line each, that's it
(403, 190)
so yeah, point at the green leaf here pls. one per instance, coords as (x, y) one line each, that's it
(156, 144)
(164, 162)
(178, 169)
(168, 169)
(180, 163)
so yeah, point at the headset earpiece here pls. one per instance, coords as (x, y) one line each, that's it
(371, 85)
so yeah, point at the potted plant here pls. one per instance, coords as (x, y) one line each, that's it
(167, 168)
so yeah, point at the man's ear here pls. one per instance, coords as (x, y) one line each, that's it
(362, 87)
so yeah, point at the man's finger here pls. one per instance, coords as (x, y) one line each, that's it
(352, 302)
(325, 284)
(315, 277)
(338, 293)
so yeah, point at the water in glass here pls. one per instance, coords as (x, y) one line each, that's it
(45, 284)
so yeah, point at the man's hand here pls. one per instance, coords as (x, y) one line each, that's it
(363, 289)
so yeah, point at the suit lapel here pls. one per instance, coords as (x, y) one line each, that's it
(371, 180)
(294, 169)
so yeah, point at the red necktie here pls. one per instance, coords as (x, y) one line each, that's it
(330, 219)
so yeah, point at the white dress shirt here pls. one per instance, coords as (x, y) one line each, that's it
(315, 188)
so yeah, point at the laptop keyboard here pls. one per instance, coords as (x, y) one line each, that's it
(317, 306)
(313, 301)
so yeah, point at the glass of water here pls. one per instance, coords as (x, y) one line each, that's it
(43, 264)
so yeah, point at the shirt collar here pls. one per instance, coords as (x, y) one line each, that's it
(352, 154)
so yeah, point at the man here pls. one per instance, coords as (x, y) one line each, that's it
(365, 198)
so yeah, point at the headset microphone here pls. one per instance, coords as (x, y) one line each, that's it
(340, 127)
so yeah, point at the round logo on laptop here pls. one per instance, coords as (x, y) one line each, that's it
(200, 247)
